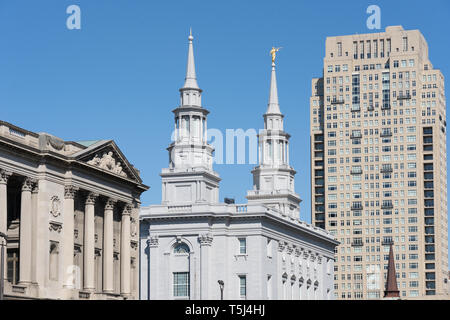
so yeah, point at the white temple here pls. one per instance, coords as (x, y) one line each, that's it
(259, 250)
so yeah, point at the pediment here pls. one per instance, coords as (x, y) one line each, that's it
(107, 156)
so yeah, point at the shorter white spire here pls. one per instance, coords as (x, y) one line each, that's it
(191, 78)
(273, 106)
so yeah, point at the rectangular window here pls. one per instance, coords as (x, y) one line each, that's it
(242, 246)
(243, 286)
(181, 284)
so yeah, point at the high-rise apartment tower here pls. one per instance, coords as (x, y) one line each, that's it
(379, 163)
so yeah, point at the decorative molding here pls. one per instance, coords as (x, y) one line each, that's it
(305, 254)
(153, 241)
(108, 162)
(55, 206)
(69, 192)
(133, 244)
(205, 239)
(133, 227)
(55, 226)
(319, 259)
(289, 249)
(298, 252)
(75, 233)
(281, 246)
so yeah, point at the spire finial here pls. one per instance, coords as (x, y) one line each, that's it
(191, 78)
(273, 106)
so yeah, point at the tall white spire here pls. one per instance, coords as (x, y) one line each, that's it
(191, 78)
(273, 178)
(190, 177)
(273, 107)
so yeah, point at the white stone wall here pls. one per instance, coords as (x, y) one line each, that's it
(221, 259)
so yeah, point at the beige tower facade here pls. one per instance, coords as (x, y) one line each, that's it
(379, 164)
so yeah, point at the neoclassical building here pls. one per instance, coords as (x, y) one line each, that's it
(192, 246)
(70, 214)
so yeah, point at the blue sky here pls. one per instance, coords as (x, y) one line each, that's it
(118, 77)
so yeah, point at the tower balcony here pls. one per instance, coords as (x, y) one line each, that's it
(337, 101)
(404, 97)
(386, 205)
(357, 206)
(386, 169)
(355, 108)
(386, 133)
(357, 242)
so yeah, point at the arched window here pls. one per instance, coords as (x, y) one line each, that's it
(181, 248)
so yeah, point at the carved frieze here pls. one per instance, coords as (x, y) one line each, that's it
(106, 161)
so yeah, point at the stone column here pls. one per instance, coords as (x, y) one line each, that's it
(89, 242)
(4, 176)
(26, 232)
(153, 268)
(205, 245)
(125, 260)
(68, 237)
(108, 247)
(36, 244)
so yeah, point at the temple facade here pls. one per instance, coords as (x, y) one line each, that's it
(69, 211)
(192, 246)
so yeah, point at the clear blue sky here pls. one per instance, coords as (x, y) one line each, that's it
(118, 77)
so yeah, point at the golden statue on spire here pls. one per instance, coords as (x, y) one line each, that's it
(273, 53)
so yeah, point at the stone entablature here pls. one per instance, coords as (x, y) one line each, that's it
(232, 210)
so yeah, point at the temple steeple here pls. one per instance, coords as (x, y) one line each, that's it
(273, 178)
(391, 290)
(191, 94)
(191, 78)
(190, 177)
(273, 106)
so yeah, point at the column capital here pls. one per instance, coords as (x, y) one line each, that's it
(70, 191)
(35, 187)
(110, 203)
(91, 198)
(4, 176)
(127, 209)
(28, 184)
(205, 239)
(153, 241)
